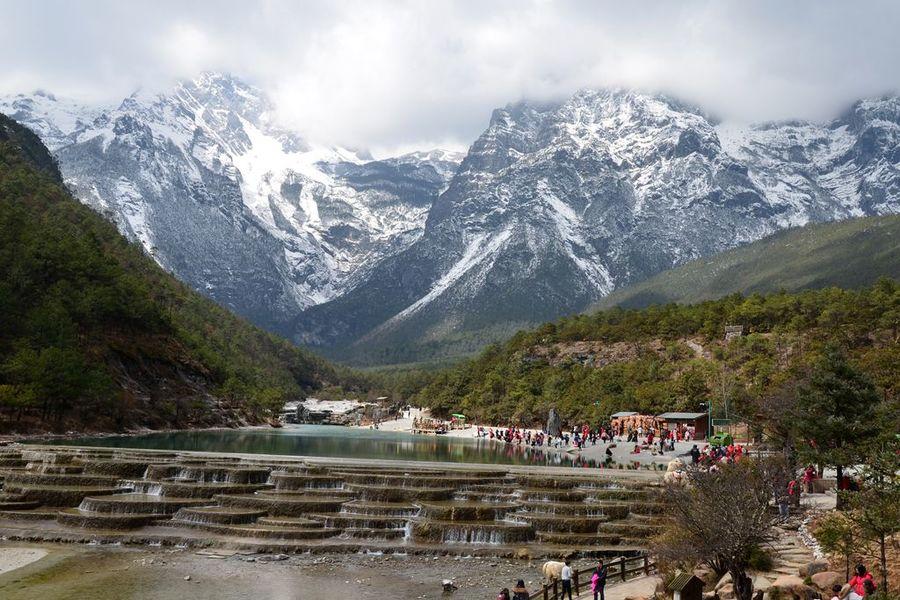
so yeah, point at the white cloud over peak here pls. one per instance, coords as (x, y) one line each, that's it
(407, 73)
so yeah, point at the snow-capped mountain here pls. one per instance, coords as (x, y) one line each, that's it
(555, 206)
(235, 205)
(819, 172)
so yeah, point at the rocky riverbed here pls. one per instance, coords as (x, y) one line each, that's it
(113, 572)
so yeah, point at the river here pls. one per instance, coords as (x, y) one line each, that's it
(342, 442)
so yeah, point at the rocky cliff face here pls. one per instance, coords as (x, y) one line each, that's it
(241, 209)
(557, 205)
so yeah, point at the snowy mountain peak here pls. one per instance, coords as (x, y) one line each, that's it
(232, 202)
(556, 204)
(552, 207)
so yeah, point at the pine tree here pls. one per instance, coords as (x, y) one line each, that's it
(836, 413)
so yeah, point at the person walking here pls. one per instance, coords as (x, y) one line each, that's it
(566, 577)
(519, 592)
(598, 581)
(504, 594)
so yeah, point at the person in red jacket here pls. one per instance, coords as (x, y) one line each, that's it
(809, 475)
(858, 583)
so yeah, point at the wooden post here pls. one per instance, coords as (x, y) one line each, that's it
(646, 565)
(546, 593)
(556, 589)
(575, 581)
(622, 567)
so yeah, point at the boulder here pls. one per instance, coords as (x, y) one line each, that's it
(710, 596)
(811, 568)
(826, 579)
(793, 587)
(725, 580)
(788, 583)
(726, 592)
(760, 583)
(554, 423)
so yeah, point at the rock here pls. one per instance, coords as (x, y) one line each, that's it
(448, 585)
(710, 596)
(760, 583)
(726, 579)
(811, 568)
(826, 579)
(187, 577)
(726, 592)
(788, 582)
(272, 557)
(554, 423)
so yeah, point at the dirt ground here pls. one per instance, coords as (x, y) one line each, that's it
(122, 573)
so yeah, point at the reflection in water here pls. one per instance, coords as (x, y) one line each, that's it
(323, 440)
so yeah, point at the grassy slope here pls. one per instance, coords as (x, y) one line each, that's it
(94, 335)
(848, 254)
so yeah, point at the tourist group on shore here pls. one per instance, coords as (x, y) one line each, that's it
(580, 437)
(577, 438)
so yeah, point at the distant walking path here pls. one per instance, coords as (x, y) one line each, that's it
(640, 587)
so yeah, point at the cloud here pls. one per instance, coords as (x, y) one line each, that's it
(409, 73)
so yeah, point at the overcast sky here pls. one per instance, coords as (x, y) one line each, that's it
(419, 73)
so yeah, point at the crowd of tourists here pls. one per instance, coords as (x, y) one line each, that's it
(713, 455)
(598, 584)
(647, 435)
(578, 437)
(659, 439)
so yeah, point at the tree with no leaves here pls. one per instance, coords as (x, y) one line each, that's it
(722, 518)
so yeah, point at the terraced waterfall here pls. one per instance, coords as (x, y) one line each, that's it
(272, 504)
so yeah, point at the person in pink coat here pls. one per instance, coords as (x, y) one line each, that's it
(598, 581)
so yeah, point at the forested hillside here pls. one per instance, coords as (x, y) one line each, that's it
(95, 336)
(847, 254)
(675, 357)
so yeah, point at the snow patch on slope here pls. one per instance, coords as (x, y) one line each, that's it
(480, 250)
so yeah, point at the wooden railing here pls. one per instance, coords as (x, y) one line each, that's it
(616, 570)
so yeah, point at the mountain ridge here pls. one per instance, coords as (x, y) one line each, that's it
(239, 207)
(553, 207)
(95, 336)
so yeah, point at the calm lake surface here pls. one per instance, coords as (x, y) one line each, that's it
(324, 440)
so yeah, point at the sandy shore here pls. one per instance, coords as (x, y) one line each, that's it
(622, 452)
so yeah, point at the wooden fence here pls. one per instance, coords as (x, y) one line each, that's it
(617, 570)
